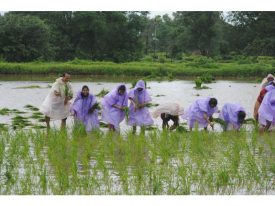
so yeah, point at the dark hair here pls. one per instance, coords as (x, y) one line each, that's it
(241, 115)
(85, 86)
(213, 101)
(122, 87)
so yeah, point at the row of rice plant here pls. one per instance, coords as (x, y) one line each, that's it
(158, 162)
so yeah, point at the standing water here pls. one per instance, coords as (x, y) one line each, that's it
(17, 94)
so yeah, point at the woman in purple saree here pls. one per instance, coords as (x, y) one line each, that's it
(201, 112)
(84, 109)
(139, 114)
(267, 111)
(113, 107)
(233, 115)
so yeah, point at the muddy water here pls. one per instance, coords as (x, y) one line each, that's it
(180, 91)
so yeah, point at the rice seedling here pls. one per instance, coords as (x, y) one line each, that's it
(160, 95)
(5, 111)
(126, 111)
(3, 127)
(29, 87)
(155, 162)
(151, 104)
(102, 93)
(20, 122)
(16, 111)
(198, 84)
(32, 108)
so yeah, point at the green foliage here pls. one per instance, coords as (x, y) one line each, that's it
(37, 162)
(130, 36)
(146, 70)
(198, 82)
(203, 61)
(24, 38)
(126, 111)
(102, 93)
(206, 78)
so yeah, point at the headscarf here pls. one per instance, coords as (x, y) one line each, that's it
(113, 97)
(140, 96)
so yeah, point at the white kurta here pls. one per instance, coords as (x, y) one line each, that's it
(53, 106)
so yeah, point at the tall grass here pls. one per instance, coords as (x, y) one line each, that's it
(36, 162)
(188, 67)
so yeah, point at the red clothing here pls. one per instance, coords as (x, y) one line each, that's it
(261, 95)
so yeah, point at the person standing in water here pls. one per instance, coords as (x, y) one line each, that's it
(84, 109)
(167, 112)
(139, 114)
(232, 114)
(201, 112)
(267, 111)
(267, 80)
(113, 107)
(260, 98)
(56, 106)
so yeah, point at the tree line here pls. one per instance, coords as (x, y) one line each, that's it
(129, 36)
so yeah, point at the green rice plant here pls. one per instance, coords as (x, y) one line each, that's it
(29, 87)
(223, 178)
(220, 122)
(102, 93)
(96, 106)
(3, 127)
(198, 83)
(149, 105)
(5, 111)
(160, 95)
(20, 122)
(2, 151)
(32, 108)
(126, 111)
(38, 117)
(16, 111)
(155, 162)
(199, 86)
(43, 181)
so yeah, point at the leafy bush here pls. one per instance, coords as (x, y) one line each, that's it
(206, 78)
(202, 61)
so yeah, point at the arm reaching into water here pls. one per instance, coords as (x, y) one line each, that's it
(208, 119)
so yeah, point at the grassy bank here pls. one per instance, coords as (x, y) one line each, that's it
(187, 67)
(33, 162)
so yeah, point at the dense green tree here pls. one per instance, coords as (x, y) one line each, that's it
(24, 38)
(60, 26)
(198, 30)
(253, 32)
(126, 36)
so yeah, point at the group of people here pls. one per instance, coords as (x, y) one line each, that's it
(115, 108)
(264, 109)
